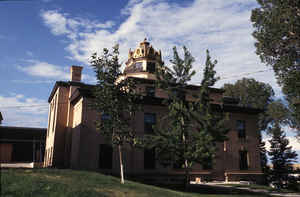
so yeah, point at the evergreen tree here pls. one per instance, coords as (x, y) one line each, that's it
(277, 31)
(114, 100)
(190, 130)
(281, 156)
(263, 159)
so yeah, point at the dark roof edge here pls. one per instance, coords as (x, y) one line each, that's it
(22, 128)
(80, 92)
(65, 84)
(189, 86)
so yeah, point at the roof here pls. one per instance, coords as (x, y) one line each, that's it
(84, 86)
(24, 133)
(84, 90)
(67, 84)
(190, 86)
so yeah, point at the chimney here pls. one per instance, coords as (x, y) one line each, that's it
(76, 73)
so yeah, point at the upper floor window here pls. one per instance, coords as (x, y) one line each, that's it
(149, 122)
(178, 94)
(241, 128)
(150, 91)
(151, 67)
(244, 160)
(139, 65)
(105, 116)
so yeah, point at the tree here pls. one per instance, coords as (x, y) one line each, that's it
(189, 131)
(277, 31)
(282, 157)
(263, 158)
(114, 100)
(252, 93)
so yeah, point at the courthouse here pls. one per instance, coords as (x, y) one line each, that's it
(72, 140)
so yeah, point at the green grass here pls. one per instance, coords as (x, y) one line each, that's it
(71, 183)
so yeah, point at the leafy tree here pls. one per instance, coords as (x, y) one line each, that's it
(114, 100)
(282, 157)
(189, 131)
(252, 93)
(277, 31)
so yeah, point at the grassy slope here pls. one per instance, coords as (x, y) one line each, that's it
(70, 183)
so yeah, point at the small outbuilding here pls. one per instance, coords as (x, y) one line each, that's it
(22, 144)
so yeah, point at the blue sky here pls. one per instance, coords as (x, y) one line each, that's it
(41, 39)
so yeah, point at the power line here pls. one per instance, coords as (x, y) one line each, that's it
(244, 74)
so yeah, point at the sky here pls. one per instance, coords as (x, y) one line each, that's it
(41, 39)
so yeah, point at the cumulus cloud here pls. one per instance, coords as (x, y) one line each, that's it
(61, 24)
(45, 70)
(223, 27)
(293, 142)
(19, 110)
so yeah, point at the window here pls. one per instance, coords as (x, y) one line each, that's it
(149, 158)
(208, 165)
(241, 128)
(149, 122)
(243, 160)
(151, 67)
(178, 94)
(105, 117)
(105, 156)
(179, 164)
(150, 91)
(139, 65)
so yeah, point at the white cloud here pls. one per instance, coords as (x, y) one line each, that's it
(18, 110)
(45, 70)
(48, 72)
(293, 142)
(223, 27)
(61, 24)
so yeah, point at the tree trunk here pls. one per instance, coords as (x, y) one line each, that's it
(121, 164)
(187, 175)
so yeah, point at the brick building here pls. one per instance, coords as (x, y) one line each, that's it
(72, 139)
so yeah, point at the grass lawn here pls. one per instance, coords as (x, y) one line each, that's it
(254, 186)
(71, 183)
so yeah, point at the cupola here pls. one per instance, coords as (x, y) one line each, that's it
(143, 61)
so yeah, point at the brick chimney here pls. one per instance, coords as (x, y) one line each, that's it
(76, 73)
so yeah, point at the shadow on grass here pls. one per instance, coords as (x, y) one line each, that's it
(211, 189)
